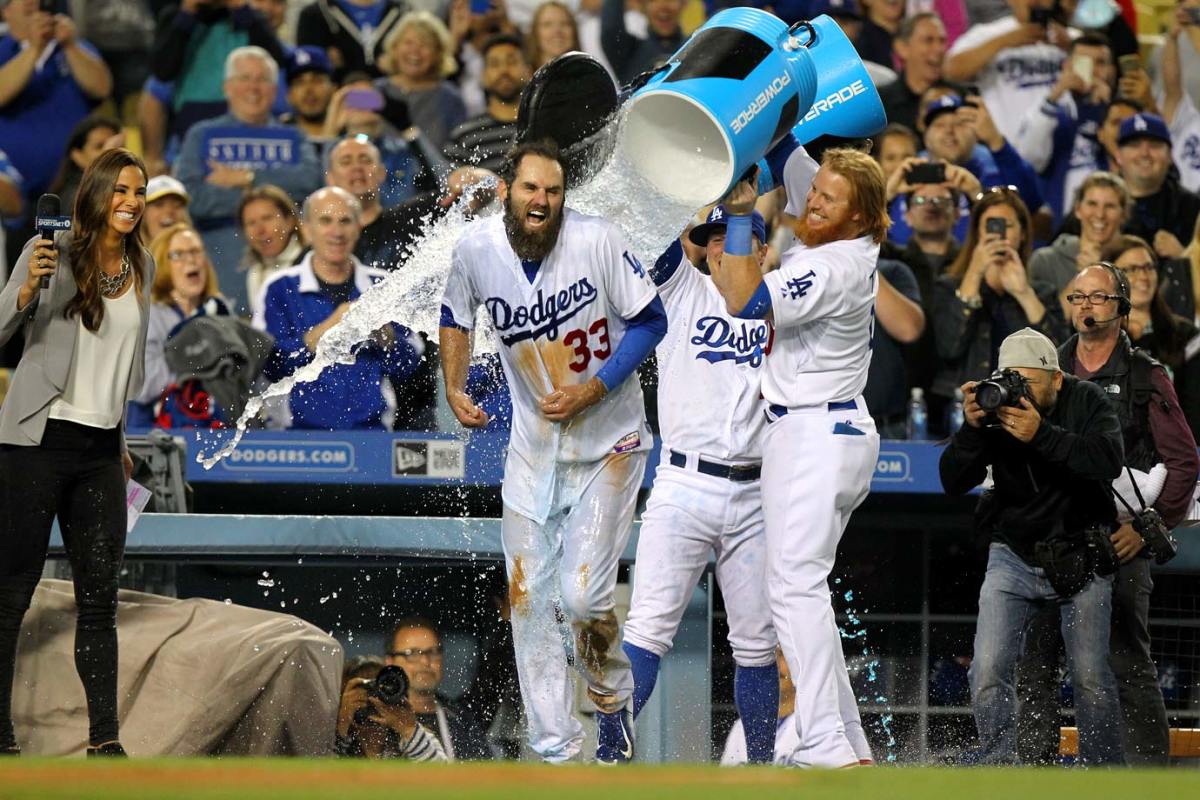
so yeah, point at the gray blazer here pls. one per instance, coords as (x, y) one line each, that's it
(49, 351)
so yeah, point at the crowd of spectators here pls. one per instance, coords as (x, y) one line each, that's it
(1026, 140)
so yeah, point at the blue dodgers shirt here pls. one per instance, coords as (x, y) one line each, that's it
(35, 125)
(346, 395)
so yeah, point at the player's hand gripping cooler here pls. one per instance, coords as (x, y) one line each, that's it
(734, 90)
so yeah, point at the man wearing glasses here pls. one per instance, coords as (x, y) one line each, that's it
(1052, 458)
(1160, 455)
(417, 649)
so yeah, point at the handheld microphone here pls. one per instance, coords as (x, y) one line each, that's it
(48, 221)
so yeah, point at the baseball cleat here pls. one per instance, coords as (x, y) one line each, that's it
(615, 737)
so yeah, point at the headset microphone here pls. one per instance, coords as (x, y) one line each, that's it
(1091, 322)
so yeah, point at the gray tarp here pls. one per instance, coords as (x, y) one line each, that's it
(195, 677)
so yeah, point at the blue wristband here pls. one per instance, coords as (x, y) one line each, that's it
(739, 235)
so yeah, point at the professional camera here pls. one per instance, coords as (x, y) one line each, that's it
(390, 686)
(1158, 538)
(1004, 387)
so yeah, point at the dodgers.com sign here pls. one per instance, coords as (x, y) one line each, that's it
(283, 456)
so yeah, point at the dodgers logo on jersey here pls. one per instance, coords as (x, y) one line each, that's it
(546, 313)
(749, 343)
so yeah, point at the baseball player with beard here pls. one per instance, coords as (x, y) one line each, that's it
(820, 446)
(706, 496)
(575, 313)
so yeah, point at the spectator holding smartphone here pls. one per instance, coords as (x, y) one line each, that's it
(1178, 106)
(1184, 31)
(961, 133)
(1014, 60)
(985, 295)
(1059, 136)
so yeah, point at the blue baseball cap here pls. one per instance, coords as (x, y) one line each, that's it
(308, 59)
(1144, 126)
(835, 8)
(717, 218)
(934, 108)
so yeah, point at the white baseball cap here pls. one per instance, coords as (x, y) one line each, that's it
(162, 185)
(1028, 348)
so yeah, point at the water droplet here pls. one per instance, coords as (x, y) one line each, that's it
(267, 582)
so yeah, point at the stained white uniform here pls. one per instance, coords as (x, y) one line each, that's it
(710, 411)
(819, 454)
(569, 489)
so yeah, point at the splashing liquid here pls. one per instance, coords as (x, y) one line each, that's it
(412, 295)
(854, 629)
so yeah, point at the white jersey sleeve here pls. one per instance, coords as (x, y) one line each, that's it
(460, 298)
(627, 284)
(805, 289)
(1185, 138)
(798, 174)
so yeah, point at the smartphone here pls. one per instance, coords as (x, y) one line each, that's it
(480, 7)
(364, 100)
(1084, 67)
(1129, 64)
(934, 172)
(996, 225)
(1041, 16)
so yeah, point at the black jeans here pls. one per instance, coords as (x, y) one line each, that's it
(75, 474)
(1145, 735)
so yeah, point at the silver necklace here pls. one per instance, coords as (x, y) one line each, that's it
(111, 285)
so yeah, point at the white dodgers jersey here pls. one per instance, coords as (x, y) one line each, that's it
(709, 369)
(557, 331)
(823, 304)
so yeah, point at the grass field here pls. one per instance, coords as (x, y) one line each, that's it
(252, 779)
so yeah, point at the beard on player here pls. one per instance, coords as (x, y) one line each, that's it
(813, 232)
(531, 244)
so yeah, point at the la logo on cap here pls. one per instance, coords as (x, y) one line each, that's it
(717, 213)
(1139, 123)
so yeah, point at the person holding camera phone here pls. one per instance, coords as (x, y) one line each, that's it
(985, 294)
(1058, 136)
(1161, 467)
(1014, 59)
(375, 719)
(1053, 444)
(960, 133)
(1184, 30)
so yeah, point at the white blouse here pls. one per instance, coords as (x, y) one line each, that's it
(99, 377)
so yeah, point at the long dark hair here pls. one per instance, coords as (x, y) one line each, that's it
(93, 206)
(68, 170)
(996, 196)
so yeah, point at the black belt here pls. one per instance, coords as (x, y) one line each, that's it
(737, 473)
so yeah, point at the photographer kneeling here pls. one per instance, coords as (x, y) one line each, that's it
(1053, 443)
(376, 721)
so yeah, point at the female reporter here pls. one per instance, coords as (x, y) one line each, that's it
(62, 441)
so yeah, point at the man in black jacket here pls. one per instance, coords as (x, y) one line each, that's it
(417, 647)
(1161, 459)
(1052, 458)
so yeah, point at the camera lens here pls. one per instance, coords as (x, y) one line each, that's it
(990, 395)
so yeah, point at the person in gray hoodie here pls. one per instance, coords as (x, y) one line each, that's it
(1102, 206)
